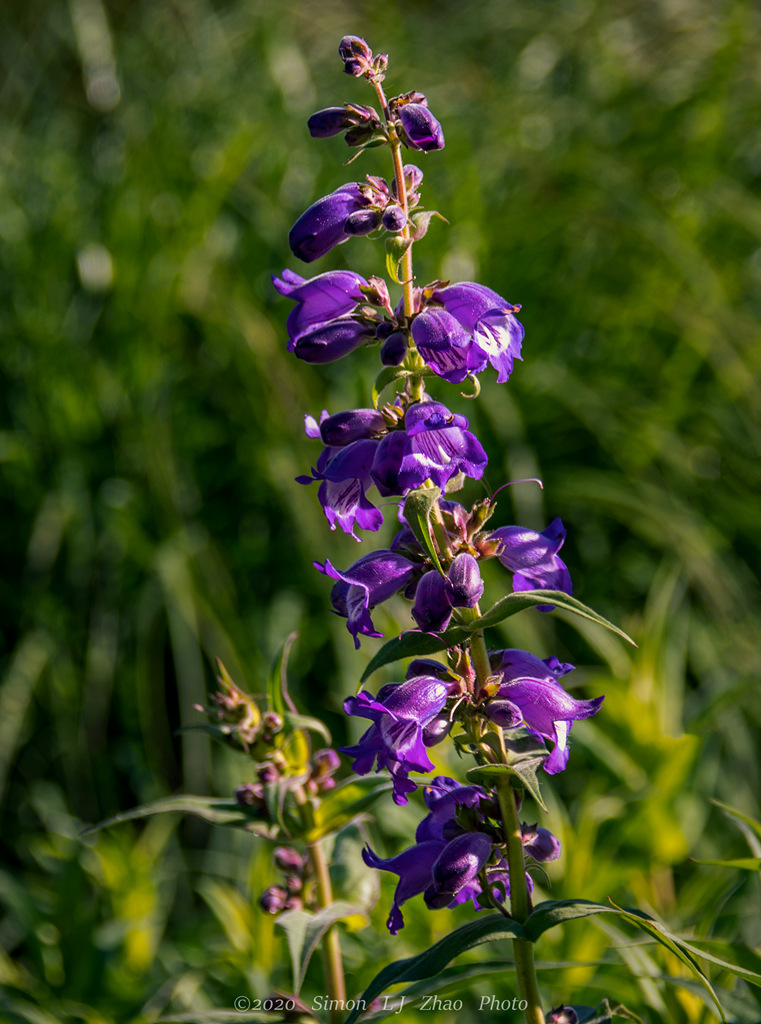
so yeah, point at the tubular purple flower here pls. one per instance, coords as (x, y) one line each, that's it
(532, 558)
(371, 580)
(333, 340)
(319, 299)
(420, 129)
(345, 476)
(432, 609)
(395, 739)
(333, 120)
(539, 843)
(444, 344)
(545, 706)
(457, 866)
(495, 334)
(438, 447)
(394, 349)
(322, 227)
(414, 867)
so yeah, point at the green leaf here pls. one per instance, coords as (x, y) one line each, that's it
(341, 805)
(413, 643)
(417, 511)
(387, 376)
(514, 603)
(304, 931)
(733, 966)
(432, 961)
(551, 912)
(421, 222)
(396, 247)
(307, 722)
(524, 769)
(743, 863)
(277, 684)
(211, 809)
(753, 825)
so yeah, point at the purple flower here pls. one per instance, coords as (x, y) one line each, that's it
(438, 447)
(320, 228)
(532, 688)
(563, 1015)
(319, 299)
(353, 425)
(420, 129)
(395, 739)
(532, 558)
(332, 120)
(539, 843)
(369, 581)
(345, 476)
(476, 327)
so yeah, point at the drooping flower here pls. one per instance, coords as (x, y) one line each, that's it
(318, 299)
(533, 558)
(372, 579)
(395, 739)
(344, 475)
(475, 327)
(530, 690)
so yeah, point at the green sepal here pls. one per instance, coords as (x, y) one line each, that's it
(304, 930)
(417, 511)
(211, 809)
(387, 376)
(432, 961)
(396, 247)
(343, 804)
(421, 222)
(523, 769)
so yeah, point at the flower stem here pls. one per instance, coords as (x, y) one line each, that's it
(523, 950)
(335, 984)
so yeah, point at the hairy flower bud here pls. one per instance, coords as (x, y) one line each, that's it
(329, 121)
(356, 55)
(464, 585)
(274, 899)
(333, 340)
(393, 218)
(394, 349)
(321, 227)
(287, 859)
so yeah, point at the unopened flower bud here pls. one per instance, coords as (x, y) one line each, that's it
(464, 584)
(332, 341)
(268, 774)
(329, 121)
(363, 222)
(326, 762)
(504, 713)
(540, 843)
(294, 884)
(356, 55)
(272, 722)
(437, 729)
(352, 425)
(420, 129)
(294, 903)
(274, 899)
(394, 349)
(250, 794)
(393, 218)
(287, 859)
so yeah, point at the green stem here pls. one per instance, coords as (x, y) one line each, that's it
(335, 984)
(523, 950)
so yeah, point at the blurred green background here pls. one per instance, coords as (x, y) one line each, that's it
(602, 168)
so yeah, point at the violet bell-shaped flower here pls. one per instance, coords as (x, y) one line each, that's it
(344, 475)
(476, 327)
(319, 299)
(438, 446)
(395, 739)
(530, 689)
(322, 227)
(533, 558)
(420, 129)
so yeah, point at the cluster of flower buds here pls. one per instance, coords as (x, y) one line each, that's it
(237, 718)
(322, 767)
(293, 894)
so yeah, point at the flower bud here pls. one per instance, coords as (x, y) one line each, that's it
(294, 903)
(464, 585)
(321, 227)
(274, 899)
(437, 729)
(352, 425)
(420, 129)
(294, 884)
(332, 341)
(540, 843)
(272, 723)
(268, 774)
(394, 349)
(250, 794)
(329, 121)
(325, 762)
(432, 609)
(287, 859)
(356, 55)
(393, 218)
(363, 222)
(504, 713)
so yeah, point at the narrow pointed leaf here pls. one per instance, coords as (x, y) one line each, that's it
(551, 912)
(431, 962)
(211, 809)
(304, 931)
(524, 769)
(413, 643)
(417, 511)
(753, 825)
(513, 603)
(743, 863)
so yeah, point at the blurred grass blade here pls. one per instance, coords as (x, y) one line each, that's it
(211, 809)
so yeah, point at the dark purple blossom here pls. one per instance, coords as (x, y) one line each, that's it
(369, 581)
(533, 689)
(533, 557)
(420, 129)
(476, 327)
(353, 425)
(344, 475)
(333, 340)
(395, 739)
(323, 226)
(394, 349)
(333, 120)
(539, 843)
(438, 446)
(319, 299)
